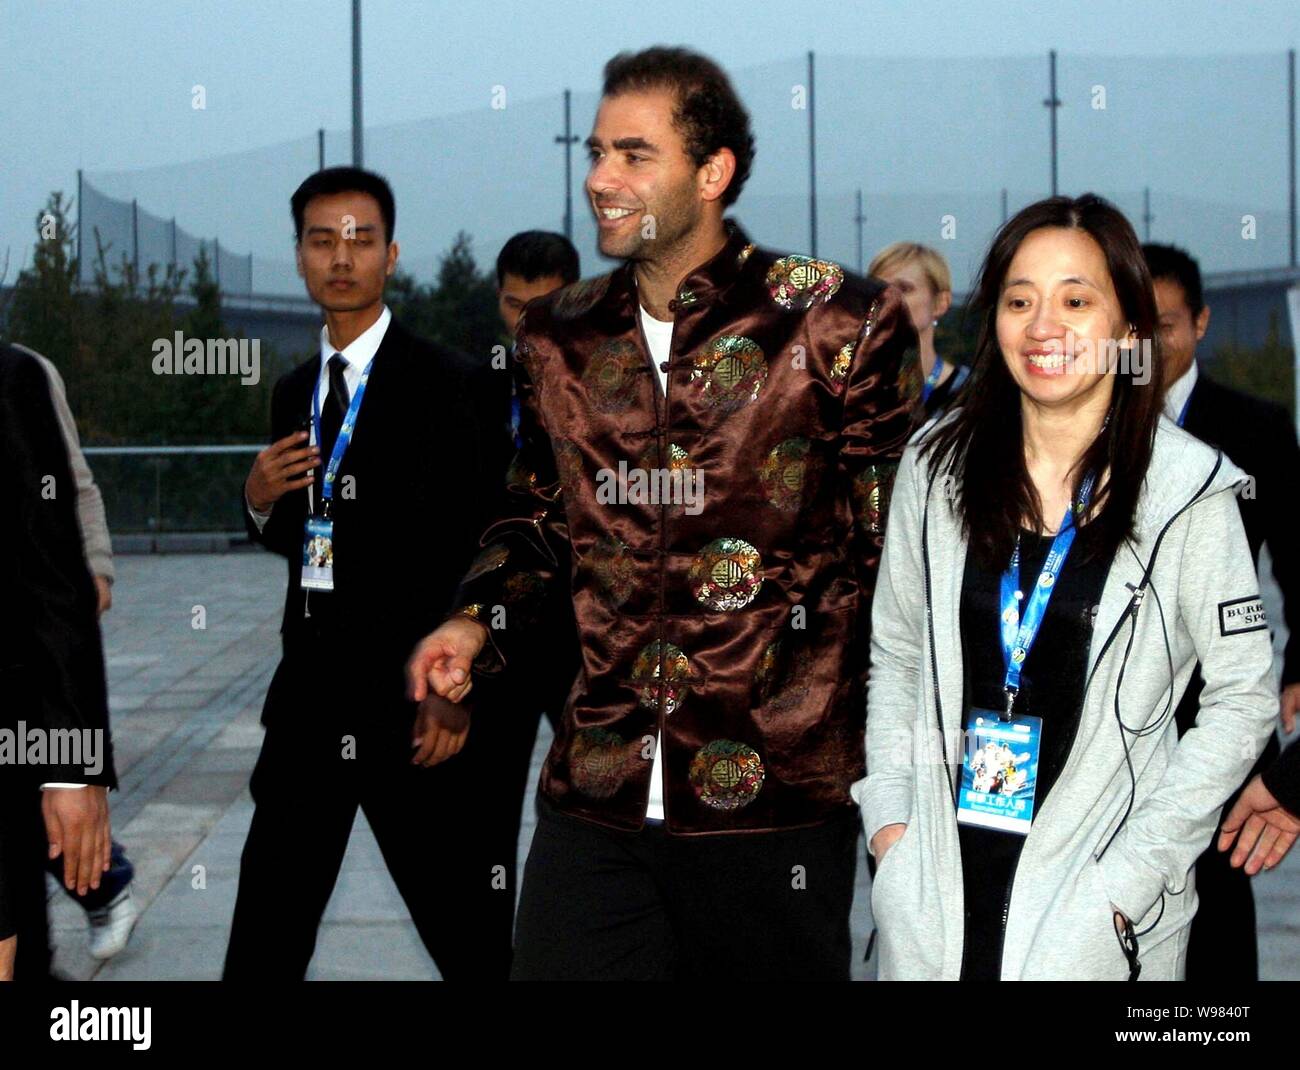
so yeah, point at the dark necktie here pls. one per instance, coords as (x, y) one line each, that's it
(331, 417)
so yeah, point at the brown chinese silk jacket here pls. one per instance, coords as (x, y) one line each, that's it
(719, 539)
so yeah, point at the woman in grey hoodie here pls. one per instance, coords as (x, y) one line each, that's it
(1057, 559)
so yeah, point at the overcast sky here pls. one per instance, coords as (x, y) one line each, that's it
(108, 86)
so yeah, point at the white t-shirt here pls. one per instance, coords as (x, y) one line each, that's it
(659, 336)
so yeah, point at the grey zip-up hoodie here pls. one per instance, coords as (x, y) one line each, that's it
(1203, 594)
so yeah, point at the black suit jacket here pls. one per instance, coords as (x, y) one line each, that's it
(51, 653)
(1283, 779)
(1258, 437)
(410, 500)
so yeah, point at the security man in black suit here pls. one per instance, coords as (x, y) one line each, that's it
(51, 672)
(1259, 437)
(531, 264)
(360, 493)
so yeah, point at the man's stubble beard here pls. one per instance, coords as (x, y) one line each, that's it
(674, 225)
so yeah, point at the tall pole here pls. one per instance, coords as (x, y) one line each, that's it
(175, 266)
(1146, 213)
(356, 84)
(568, 139)
(135, 241)
(812, 161)
(1004, 204)
(1290, 108)
(320, 149)
(1052, 103)
(859, 219)
(79, 218)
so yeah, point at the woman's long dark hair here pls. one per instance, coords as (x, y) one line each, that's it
(983, 442)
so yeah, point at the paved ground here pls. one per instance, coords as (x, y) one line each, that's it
(185, 703)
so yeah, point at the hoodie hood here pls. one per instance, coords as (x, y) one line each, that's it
(1180, 465)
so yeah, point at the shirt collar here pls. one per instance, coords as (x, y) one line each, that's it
(713, 277)
(709, 281)
(363, 347)
(1178, 393)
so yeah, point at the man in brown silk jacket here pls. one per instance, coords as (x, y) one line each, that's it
(709, 435)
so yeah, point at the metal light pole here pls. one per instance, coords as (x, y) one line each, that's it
(1052, 103)
(357, 154)
(812, 162)
(568, 139)
(1290, 108)
(859, 219)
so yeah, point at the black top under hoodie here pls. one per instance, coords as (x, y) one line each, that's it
(1052, 683)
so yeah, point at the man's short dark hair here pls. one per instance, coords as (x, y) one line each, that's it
(345, 180)
(709, 114)
(538, 254)
(1171, 262)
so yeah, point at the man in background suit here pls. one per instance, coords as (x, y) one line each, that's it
(1258, 436)
(340, 732)
(51, 671)
(532, 264)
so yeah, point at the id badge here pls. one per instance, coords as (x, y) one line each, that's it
(999, 771)
(318, 555)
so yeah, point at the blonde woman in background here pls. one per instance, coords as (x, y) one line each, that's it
(923, 276)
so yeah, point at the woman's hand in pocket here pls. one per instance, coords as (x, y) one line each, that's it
(884, 840)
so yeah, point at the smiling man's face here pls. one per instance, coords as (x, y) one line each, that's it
(643, 187)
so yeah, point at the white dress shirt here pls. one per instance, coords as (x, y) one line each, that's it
(659, 336)
(1176, 396)
(356, 356)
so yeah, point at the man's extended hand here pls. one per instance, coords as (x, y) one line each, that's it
(8, 949)
(283, 466)
(1290, 705)
(1267, 831)
(443, 661)
(77, 826)
(103, 595)
(441, 728)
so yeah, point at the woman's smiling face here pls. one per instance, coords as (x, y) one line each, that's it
(1059, 319)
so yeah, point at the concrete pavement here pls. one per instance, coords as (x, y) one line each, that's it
(185, 703)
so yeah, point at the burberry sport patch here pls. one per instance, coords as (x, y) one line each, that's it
(1242, 615)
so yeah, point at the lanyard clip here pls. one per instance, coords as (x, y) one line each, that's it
(1011, 693)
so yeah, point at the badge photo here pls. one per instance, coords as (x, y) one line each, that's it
(318, 554)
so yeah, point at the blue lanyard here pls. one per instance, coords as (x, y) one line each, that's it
(1019, 630)
(1183, 415)
(932, 380)
(345, 431)
(515, 414)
